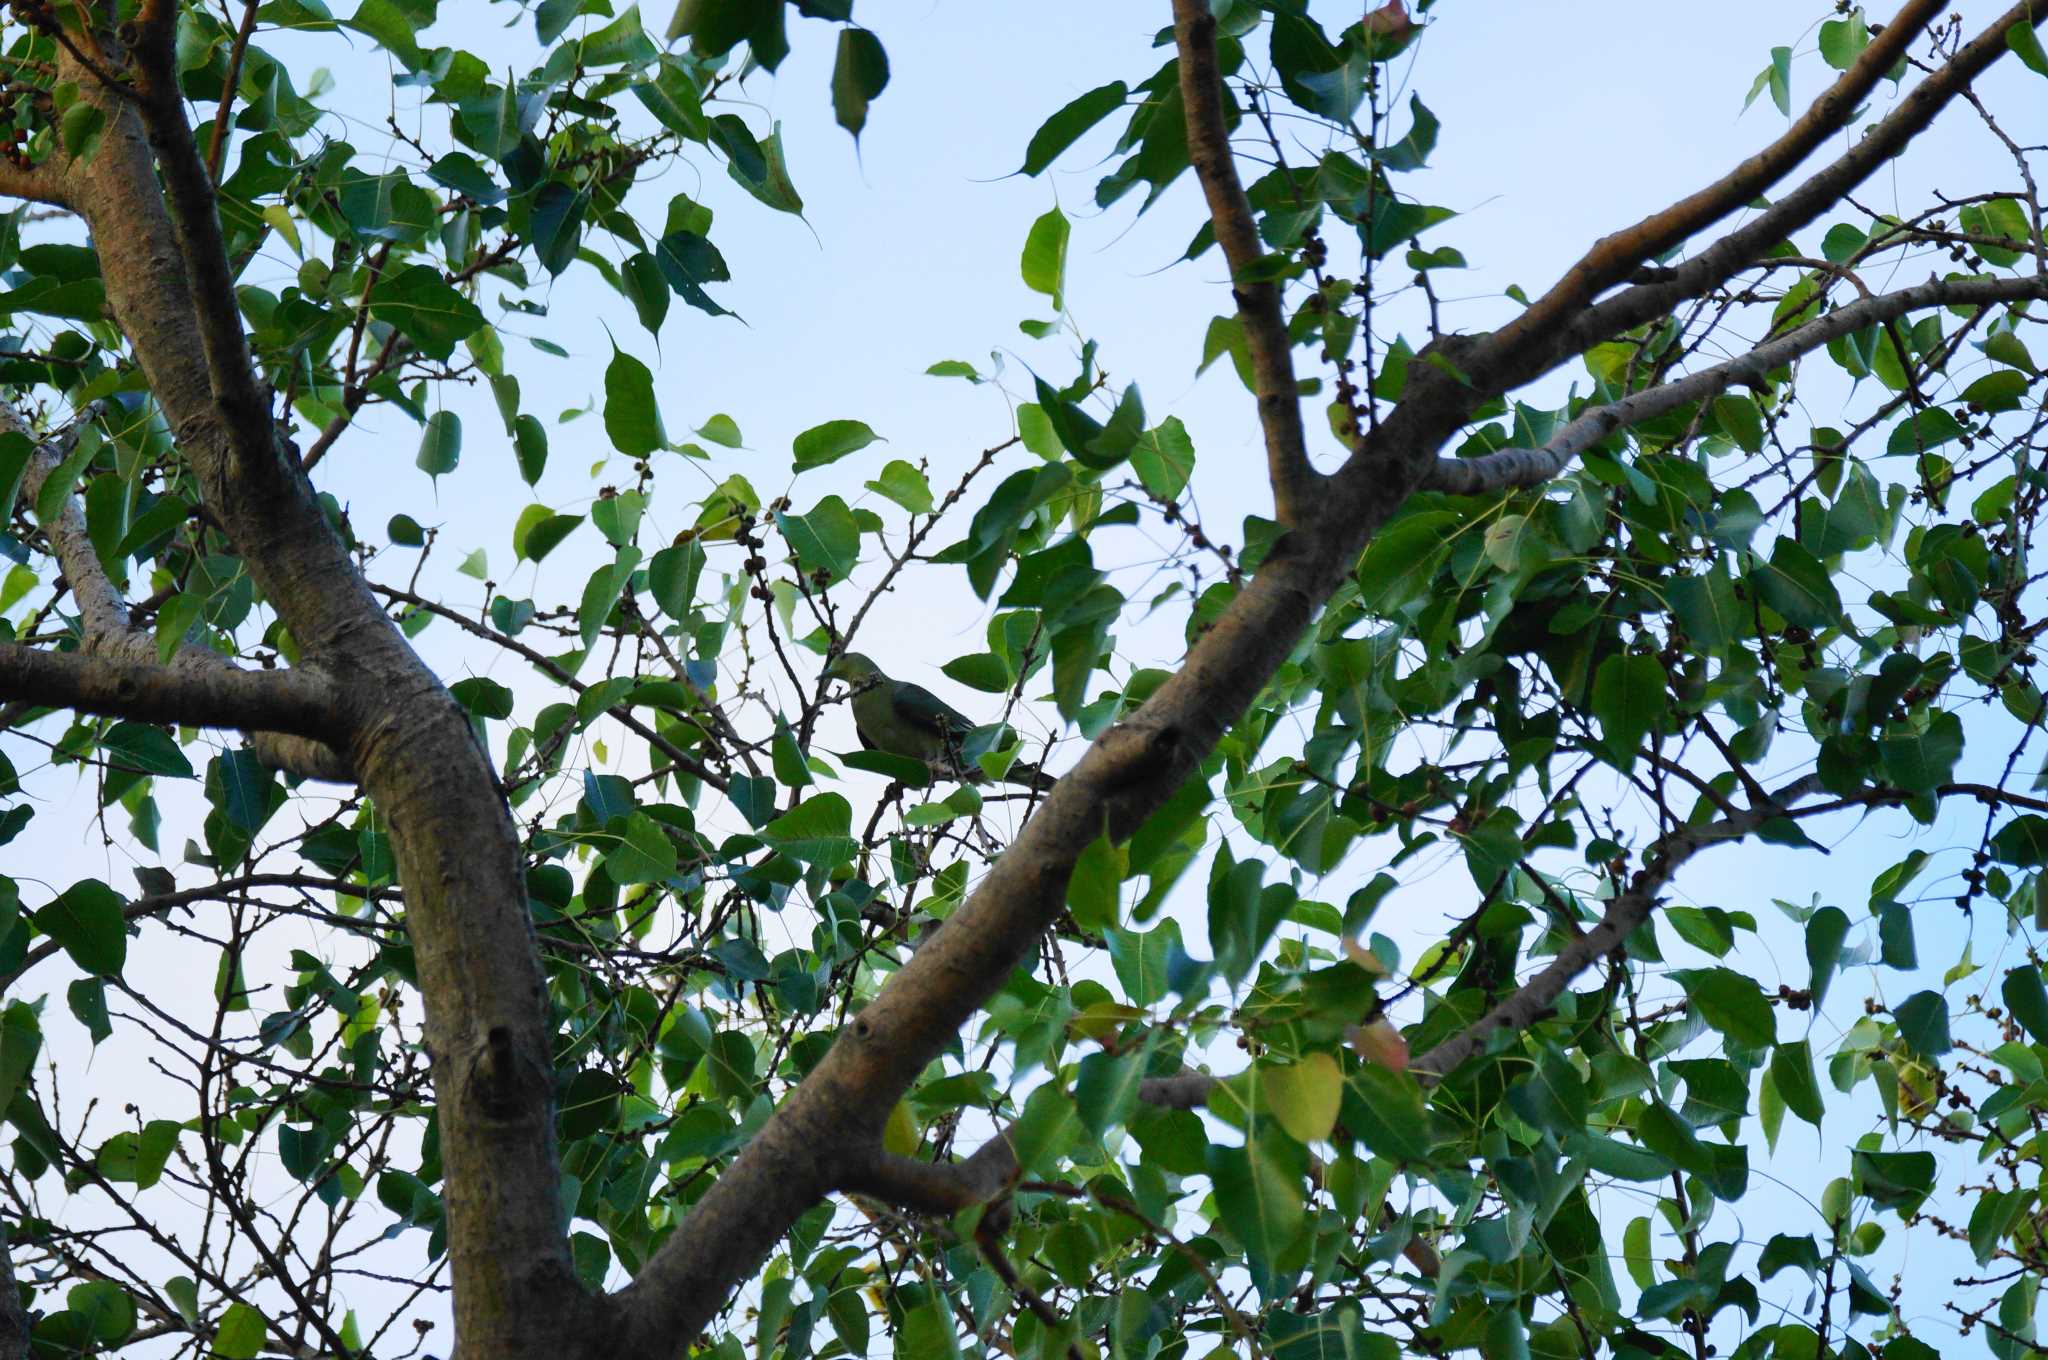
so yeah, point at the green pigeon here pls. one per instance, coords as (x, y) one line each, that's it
(902, 719)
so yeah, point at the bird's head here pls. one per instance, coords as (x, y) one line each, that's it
(854, 669)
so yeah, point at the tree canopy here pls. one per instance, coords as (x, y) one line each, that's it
(1343, 996)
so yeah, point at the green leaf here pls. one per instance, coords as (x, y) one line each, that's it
(1741, 421)
(722, 430)
(1895, 1180)
(240, 1334)
(1106, 1088)
(558, 213)
(175, 622)
(1731, 1002)
(830, 442)
(1825, 931)
(787, 756)
(673, 575)
(641, 280)
(1923, 430)
(242, 788)
(1047, 1124)
(538, 530)
(1095, 888)
(904, 770)
(1164, 459)
(1507, 1336)
(601, 595)
(1724, 1169)
(87, 920)
(1629, 699)
(81, 128)
(826, 541)
(21, 1039)
(2026, 45)
(1923, 1023)
(63, 479)
(433, 315)
(671, 96)
(1066, 126)
(816, 831)
(1919, 761)
(903, 484)
(1796, 585)
(984, 671)
(860, 71)
(1259, 1194)
(632, 420)
(1384, 1111)
(622, 40)
(16, 449)
(440, 444)
(1553, 1095)
(102, 1307)
(1843, 40)
(765, 175)
(138, 1157)
(1045, 257)
(644, 853)
(618, 517)
(2027, 999)
(145, 750)
(1792, 1072)
(530, 444)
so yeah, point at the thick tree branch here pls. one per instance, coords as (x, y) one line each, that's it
(296, 702)
(120, 673)
(209, 275)
(1613, 258)
(1508, 469)
(933, 1187)
(948, 1187)
(14, 1323)
(410, 743)
(41, 183)
(1128, 773)
(1519, 352)
(1294, 480)
(1629, 909)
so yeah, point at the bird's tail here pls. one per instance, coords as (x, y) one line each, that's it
(1031, 777)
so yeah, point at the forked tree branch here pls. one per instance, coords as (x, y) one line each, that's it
(188, 186)
(413, 747)
(1516, 354)
(289, 716)
(1513, 468)
(948, 1187)
(1288, 468)
(39, 183)
(1613, 258)
(822, 1133)
(1629, 909)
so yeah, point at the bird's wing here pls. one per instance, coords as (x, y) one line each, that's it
(926, 711)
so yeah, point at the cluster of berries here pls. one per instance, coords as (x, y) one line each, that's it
(13, 137)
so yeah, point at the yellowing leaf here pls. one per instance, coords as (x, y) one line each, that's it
(1377, 1041)
(1356, 951)
(1304, 1097)
(900, 1134)
(1102, 1020)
